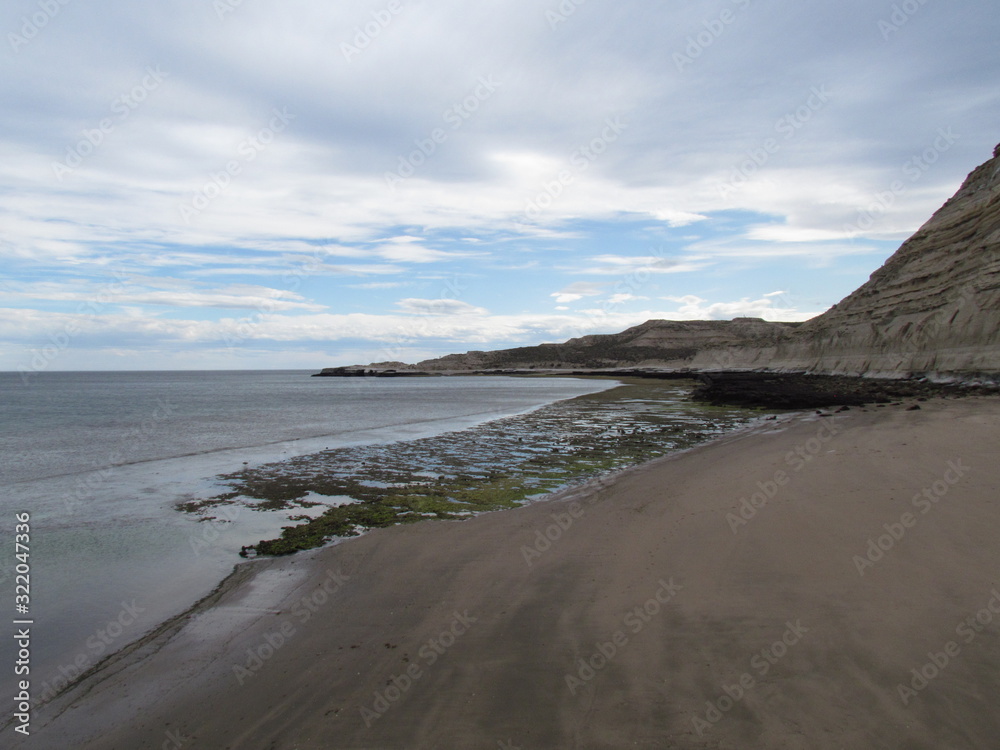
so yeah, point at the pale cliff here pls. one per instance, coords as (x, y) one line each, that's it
(932, 308)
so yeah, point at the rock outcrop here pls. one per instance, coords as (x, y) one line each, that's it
(661, 344)
(932, 308)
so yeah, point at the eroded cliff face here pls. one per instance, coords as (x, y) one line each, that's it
(932, 308)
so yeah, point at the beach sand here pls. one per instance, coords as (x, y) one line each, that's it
(699, 627)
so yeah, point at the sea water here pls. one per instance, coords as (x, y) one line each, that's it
(102, 460)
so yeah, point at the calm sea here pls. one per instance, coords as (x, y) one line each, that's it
(100, 460)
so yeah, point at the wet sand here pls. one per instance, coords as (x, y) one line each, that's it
(657, 610)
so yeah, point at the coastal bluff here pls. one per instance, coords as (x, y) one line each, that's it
(932, 310)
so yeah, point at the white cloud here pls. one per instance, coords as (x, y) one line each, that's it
(126, 290)
(379, 285)
(406, 249)
(739, 247)
(439, 307)
(784, 233)
(618, 265)
(577, 291)
(693, 307)
(617, 299)
(420, 320)
(677, 218)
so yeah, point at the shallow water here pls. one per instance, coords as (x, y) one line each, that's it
(101, 461)
(492, 466)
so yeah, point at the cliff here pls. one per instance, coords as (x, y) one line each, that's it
(932, 308)
(661, 344)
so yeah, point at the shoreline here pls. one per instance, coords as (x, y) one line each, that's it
(533, 620)
(495, 465)
(246, 569)
(111, 533)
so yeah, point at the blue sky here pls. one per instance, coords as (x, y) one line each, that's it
(258, 184)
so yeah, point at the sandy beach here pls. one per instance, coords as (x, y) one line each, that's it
(816, 582)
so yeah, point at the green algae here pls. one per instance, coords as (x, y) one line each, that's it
(497, 465)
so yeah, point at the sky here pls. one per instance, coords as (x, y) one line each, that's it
(254, 184)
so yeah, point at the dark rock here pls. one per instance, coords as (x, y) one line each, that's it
(800, 391)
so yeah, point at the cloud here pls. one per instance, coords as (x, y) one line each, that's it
(439, 307)
(306, 207)
(617, 299)
(578, 291)
(125, 290)
(379, 285)
(740, 247)
(618, 265)
(428, 321)
(693, 307)
(675, 218)
(406, 249)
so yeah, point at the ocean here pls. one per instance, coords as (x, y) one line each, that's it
(101, 460)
